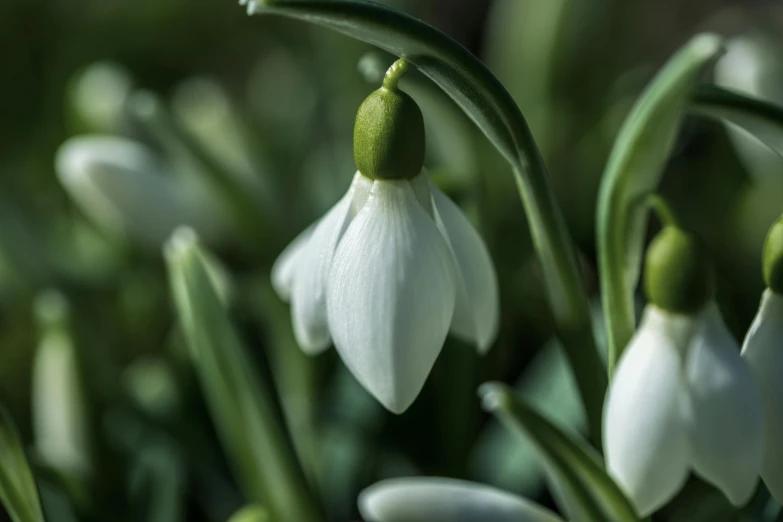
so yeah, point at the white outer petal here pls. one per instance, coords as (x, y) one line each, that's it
(285, 265)
(446, 500)
(763, 351)
(724, 417)
(476, 316)
(308, 288)
(391, 295)
(120, 185)
(645, 439)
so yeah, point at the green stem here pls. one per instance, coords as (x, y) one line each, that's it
(663, 210)
(395, 72)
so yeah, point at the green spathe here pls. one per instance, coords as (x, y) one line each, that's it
(773, 257)
(388, 138)
(678, 274)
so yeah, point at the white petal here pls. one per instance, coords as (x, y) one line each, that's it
(645, 440)
(285, 265)
(122, 187)
(724, 416)
(446, 500)
(308, 289)
(391, 295)
(476, 315)
(763, 351)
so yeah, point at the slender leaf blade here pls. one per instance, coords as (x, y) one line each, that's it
(18, 490)
(633, 171)
(252, 431)
(576, 467)
(759, 118)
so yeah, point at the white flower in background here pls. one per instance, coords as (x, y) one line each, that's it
(763, 351)
(392, 267)
(122, 187)
(682, 398)
(58, 400)
(446, 500)
(753, 65)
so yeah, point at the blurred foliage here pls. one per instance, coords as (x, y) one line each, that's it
(257, 113)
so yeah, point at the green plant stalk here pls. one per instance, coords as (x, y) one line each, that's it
(251, 428)
(484, 99)
(18, 489)
(575, 465)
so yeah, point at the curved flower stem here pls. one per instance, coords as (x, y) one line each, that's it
(663, 210)
(395, 72)
(484, 99)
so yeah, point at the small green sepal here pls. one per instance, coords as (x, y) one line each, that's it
(773, 257)
(388, 138)
(678, 274)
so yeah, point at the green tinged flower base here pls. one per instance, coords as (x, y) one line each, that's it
(678, 275)
(388, 137)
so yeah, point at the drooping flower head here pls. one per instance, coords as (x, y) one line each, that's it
(682, 399)
(763, 351)
(393, 266)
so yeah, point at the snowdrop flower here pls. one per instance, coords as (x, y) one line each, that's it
(58, 402)
(427, 499)
(393, 266)
(763, 351)
(682, 398)
(123, 187)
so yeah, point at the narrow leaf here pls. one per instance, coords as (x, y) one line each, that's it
(18, 490)
(245, 412)
(575, 466)
(484, 99)
(250, 513)
(761, 119)
(634, 170)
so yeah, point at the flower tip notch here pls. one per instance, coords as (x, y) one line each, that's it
(707, 44)
(182, 242)
(494, 396)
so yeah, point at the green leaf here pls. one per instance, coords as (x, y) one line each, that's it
(762, 119)
(244, 410)
(633, 171)
(576, 467)
(18, 490)
(250, 513)
(484, 99)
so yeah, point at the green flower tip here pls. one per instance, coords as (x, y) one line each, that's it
(388, 138)
(678, 274)
(773, 257)
(182, 244)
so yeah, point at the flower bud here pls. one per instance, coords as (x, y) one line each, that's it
(773, 257)
(678, 274)
(388, 138)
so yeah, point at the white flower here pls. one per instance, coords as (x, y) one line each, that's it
(763, 351)
(682, 399)
(446, 500)
(122, 187)
(386, 273)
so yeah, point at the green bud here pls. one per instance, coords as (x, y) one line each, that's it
(773, 257)
(388, 138)
(678, 274)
